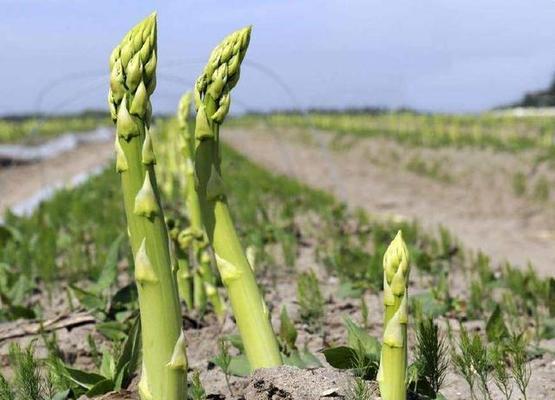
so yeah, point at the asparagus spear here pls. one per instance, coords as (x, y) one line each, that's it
(181, 259)
(188, 150)
(212, 100)
(210, 281)
(191, 234)
(393, 363)
(203, 279)
(132, 81)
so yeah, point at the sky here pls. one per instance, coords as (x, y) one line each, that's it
(432, 55)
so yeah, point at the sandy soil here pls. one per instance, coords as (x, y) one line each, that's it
(285, 383)
(472, 196)
(22, 182)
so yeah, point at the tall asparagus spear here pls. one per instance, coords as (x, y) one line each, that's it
(212, 100)
(132, 81)
(393, 363)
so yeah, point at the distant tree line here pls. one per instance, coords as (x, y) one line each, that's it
(540, 98)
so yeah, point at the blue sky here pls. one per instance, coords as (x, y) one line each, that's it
(441, 55)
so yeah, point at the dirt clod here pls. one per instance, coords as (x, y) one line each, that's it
(289, 383)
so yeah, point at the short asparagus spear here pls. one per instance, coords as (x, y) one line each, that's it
(132, 81)
(393, 364)
(212, 100)
(184, 276)
(188, 150)
(185, 126)
(195, 231)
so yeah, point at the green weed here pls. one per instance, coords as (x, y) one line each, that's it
(310, 299)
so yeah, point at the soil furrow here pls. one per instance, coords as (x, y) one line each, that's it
(477, 205)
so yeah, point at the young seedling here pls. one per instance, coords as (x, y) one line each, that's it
(501, 376)
(132, 81)
(472, 361)
(358, 388)
(197, 390)
(287, 338)
(310, 299)
(224, 359)
(520, 370)
(29, 379)
(431, 358)
(463, 361)
(393, 364)
(212, 101)
(28, 382)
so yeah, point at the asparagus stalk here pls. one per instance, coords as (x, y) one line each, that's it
(209, 280)
(188, 150)
(212, 100)
(132, 81)
(185, 275)
(185, 280)
(195, 232)
(204, 281)
(393, 363)
(199, 292)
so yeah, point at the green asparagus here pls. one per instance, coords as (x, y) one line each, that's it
(212, 101)
(393, 363)
(132, 81)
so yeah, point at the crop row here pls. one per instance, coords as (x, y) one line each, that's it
(500, 132)
(33, 129)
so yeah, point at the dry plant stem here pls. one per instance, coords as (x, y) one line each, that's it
(212, 102)
(393, 363)
(132, 81)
